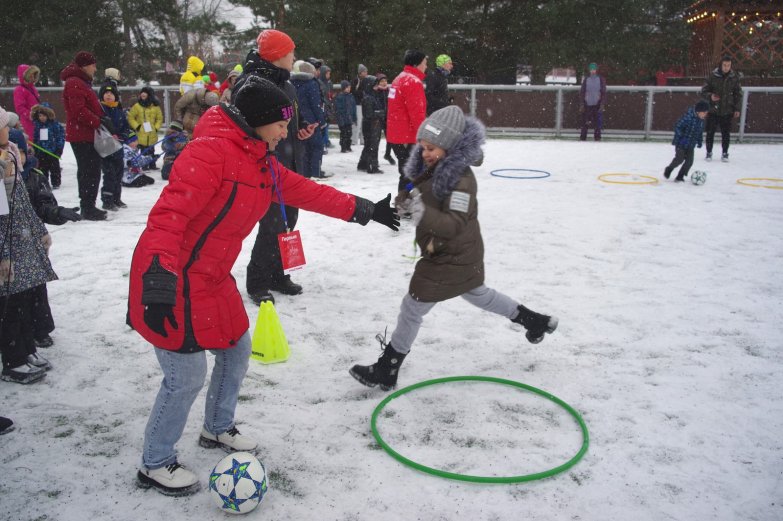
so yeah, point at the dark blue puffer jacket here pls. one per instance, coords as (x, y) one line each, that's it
(688, 131)
(309, 94)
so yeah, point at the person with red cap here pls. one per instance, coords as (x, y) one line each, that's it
(274, 60)
(83, 115)
(182, 297)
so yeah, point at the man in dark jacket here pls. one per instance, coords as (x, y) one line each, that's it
(274, 60)
(83, 115)
(437, 84)
(724, 94)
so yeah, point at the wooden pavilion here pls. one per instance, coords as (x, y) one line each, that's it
(750, 32)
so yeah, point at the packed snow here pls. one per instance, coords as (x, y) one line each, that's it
(670, 300)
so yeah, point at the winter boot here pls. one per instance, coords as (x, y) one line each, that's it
(171, 480)
(91, 213)
(390, 159)
(229, 441)
(725, 157)
(43, 341)
(383, 372)
(23, 374)
(262, 295)
(6, 425)
(708, 157)
(285, 286)
(535, 323)
(37, 360)
(667, 172)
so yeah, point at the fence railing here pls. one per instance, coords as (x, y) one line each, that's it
(552, 110)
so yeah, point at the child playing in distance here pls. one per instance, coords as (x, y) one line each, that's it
(111, 192)
(687, 134)
(345, 108)
(442, 200)
(134, 163)
(50, 136)
(175, 140)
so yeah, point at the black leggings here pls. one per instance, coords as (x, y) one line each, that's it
(713, 121)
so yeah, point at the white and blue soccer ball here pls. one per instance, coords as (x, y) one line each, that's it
(238, 483)
(698, 177)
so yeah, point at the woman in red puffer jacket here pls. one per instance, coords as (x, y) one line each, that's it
(182, 296)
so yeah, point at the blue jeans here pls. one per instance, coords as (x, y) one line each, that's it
(183, 378)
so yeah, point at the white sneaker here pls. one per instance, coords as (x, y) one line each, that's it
(171, 480)
(229, 441)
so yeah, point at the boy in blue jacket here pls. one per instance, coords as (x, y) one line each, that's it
(50, 136)
(345, 106)
(687, 134)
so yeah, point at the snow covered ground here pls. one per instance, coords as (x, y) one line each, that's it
(670, 299)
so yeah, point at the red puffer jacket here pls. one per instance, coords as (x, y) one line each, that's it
(407, 106)
(82, 110)
(220, 186)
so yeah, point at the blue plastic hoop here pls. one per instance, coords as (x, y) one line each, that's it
(494, 173)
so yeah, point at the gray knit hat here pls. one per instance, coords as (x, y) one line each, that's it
(361, 68)
(443, 128)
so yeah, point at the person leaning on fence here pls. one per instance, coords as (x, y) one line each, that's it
(592, 97)
(724, 94)
(687, 134)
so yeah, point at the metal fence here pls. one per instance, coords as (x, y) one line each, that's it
(552, 110)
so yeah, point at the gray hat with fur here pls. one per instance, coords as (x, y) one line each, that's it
(443, 128)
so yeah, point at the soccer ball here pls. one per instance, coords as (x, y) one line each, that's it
(238, 483)
(698, 177)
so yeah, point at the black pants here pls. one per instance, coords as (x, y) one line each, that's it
(50, 166)
(372, 138)
(713, 121)
(592, 116)
(112, 166)
(265, 263)
(402, 152)
(684, 156)
(16, 328)
(149, 151)
(41, 313)
(88, 172)
(346, 132)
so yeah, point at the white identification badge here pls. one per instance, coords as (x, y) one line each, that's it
(44, 134)
(147, 126)
(460, 202)
(392, 92)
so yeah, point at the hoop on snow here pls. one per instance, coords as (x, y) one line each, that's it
(744, 181)
(496, 174)
(649, 179)
(481, 479)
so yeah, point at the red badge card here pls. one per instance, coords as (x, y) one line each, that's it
(291, 251)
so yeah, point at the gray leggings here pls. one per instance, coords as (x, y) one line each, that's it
(412, 313)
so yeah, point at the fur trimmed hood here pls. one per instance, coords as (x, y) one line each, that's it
(464, 154)
(38, 109)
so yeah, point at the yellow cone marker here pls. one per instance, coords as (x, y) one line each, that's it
(269, 343)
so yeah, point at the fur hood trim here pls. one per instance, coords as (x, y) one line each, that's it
(38, 109)
(464, 154)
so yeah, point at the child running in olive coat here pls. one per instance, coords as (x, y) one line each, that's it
(441, 198)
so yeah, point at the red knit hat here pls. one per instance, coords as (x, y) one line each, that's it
(273, 44)
(84, 58)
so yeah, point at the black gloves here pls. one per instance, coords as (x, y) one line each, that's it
(385, 215)
(66, 214)
(155, 316)
(159, 294)
(109, 124)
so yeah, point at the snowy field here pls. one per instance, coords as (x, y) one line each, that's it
(670, 299)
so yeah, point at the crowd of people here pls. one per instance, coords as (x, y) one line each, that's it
(244, 152)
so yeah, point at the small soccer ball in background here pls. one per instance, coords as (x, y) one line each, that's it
(698, 177)
(238, 483)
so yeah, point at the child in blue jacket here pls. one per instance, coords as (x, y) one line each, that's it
(50, 136)
(345, 107)
(687, 134)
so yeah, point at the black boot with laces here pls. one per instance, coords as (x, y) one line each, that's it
(536, 324)
(384, 372)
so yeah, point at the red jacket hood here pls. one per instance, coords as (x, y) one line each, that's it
(72, 70)
(225, 122)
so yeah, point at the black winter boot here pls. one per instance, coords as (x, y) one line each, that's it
(535, 323)
(383, 372)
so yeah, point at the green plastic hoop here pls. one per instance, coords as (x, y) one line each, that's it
(481, 479)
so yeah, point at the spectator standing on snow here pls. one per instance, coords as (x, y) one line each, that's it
(345, 109)
(146, 118)
(26, 96)
(407, 108)
(724, 94)
(50, 136)
(437, 89)
(593, 96)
